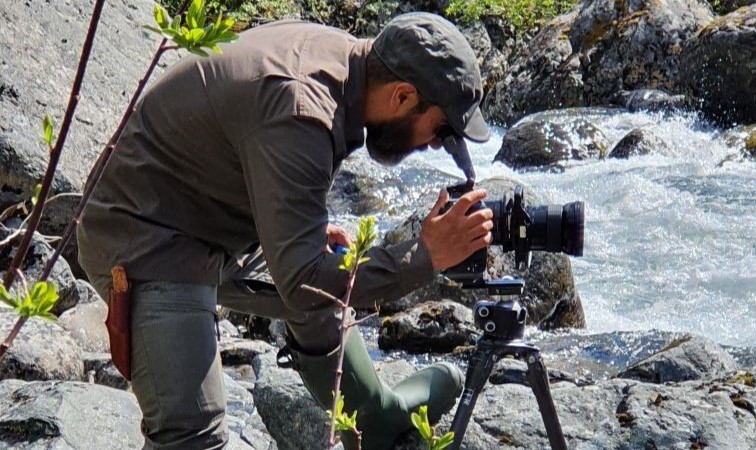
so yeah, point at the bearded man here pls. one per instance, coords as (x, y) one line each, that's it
(218, 185)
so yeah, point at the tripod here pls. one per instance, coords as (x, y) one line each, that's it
(503, 325)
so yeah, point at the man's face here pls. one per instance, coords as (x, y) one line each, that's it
(390, 141)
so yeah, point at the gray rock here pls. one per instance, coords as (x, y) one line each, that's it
(548, 281)
(717, 67)
(244, 421)
(492, 60)
(601, 47)
(686, 358)
(43, 350)
(285, 405)
(40, 43)
(534, 143)
(86, 324)
(68, 415)
(99, 368)
(622, 414)
(640, 142)
(236, 351)
(429, 327)
(515, 371)
(69, 291)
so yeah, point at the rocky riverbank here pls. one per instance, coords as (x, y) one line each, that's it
(620, 390)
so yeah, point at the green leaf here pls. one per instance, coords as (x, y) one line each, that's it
(47, 130)
(162, 19)
(6, 298)
(35, 196)
(444, 441)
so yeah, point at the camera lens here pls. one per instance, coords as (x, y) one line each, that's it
(557, 228)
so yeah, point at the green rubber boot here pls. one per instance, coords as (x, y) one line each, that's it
(383, 413)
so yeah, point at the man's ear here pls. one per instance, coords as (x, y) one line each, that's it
(404, 97)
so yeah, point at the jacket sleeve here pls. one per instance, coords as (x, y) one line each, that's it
(288, 167)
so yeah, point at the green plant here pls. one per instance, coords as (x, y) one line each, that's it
(420, 421)
(192, 34)
(351, 262)
(344, 422)
(35, 303)
(525, 15)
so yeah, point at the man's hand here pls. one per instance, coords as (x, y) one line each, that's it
(453, 236)
(337, 236)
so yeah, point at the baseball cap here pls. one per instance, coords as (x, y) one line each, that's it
(429, 52)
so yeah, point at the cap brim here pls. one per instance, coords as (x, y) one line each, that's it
(476, 129)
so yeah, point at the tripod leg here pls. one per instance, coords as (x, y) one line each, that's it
(539, 383)
(479, 369)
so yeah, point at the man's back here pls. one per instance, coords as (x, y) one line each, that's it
(175, 191)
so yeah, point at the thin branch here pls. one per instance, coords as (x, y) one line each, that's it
(324, 294)
(357, 322)
(73, 101)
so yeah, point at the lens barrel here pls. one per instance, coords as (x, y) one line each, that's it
(556, 228)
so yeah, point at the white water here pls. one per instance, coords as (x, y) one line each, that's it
(670, 241)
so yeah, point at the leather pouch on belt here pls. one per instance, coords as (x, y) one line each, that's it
(118, 322)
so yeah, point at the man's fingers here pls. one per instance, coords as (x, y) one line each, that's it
(443, 197)
(466, 201)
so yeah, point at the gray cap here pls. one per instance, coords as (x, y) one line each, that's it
(429, 52)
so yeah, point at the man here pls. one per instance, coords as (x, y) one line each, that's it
(220, 179)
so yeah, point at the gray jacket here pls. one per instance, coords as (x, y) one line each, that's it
(228, 153)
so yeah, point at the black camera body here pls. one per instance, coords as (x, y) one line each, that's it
(521, 229)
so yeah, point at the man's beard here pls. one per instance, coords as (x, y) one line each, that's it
(390, 142)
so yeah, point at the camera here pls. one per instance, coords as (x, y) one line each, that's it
(519, 228)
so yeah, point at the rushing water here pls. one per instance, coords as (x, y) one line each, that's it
(670, 241)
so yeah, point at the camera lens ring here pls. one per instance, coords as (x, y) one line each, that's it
(489, 326)
(483, 311)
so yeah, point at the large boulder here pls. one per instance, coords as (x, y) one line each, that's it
(718, 64)
(537, 143)
(640, 142)
(41, 351)
(550, 295)
(686, 358)
(587, 56)
(67, 415)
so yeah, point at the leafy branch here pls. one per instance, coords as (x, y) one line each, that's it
(192, 34)
(421, 422)
(351, 262)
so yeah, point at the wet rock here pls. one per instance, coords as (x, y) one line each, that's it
(639, 142)
(43, 350)
(598, 49)
(651, 100)
(538, 143)
(686, 358)
(548, 280)
(429, 327)
(743, 139)
(717, 67)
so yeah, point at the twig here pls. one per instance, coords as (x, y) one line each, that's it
(357, 322)
(324, 294)
(73, 101)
